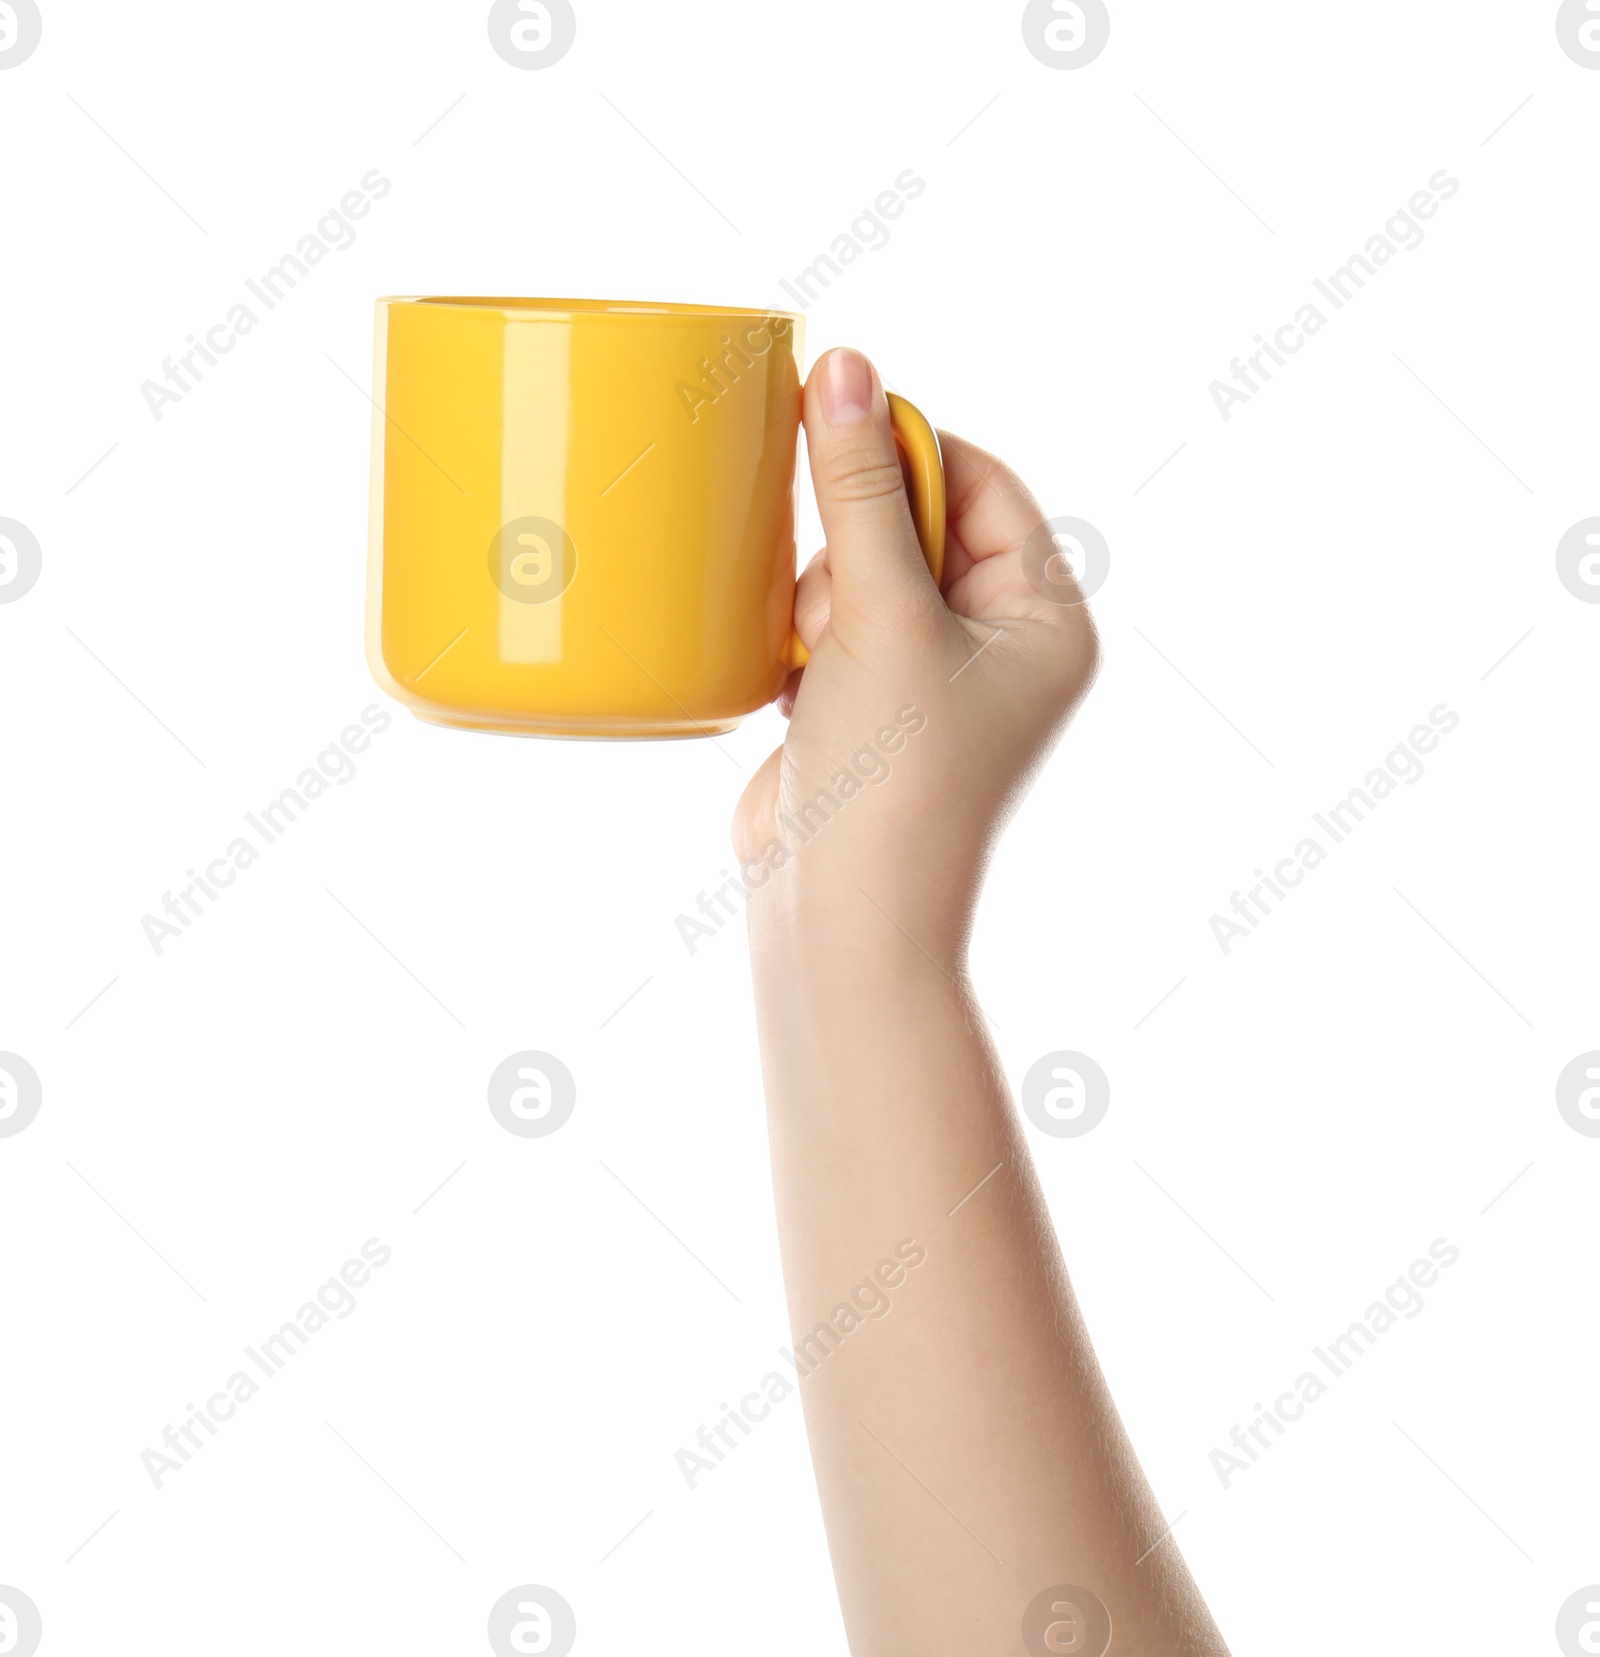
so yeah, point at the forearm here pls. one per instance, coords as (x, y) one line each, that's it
(968, 1456)
(967, 1453)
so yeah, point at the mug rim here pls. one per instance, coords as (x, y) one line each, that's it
(569, 309)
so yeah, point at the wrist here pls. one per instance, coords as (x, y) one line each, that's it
(858, 921)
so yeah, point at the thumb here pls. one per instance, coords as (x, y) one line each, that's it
(861, 494)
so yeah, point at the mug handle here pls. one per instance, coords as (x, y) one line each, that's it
(918, 446)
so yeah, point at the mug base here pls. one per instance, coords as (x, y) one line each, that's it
(581, 730)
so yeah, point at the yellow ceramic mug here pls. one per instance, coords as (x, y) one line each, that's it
(583, 512)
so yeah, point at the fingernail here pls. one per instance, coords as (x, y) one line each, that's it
(846, 388)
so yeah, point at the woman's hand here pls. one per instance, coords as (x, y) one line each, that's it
(921, 716)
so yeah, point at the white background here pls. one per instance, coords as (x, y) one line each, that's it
(1363, 541)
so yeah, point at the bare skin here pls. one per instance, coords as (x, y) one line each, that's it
(968, 1454)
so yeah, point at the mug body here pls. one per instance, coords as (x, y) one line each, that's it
(582, 513)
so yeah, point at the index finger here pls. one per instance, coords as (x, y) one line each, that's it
(991, 510)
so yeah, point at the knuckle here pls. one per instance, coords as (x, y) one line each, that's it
(860, 473)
